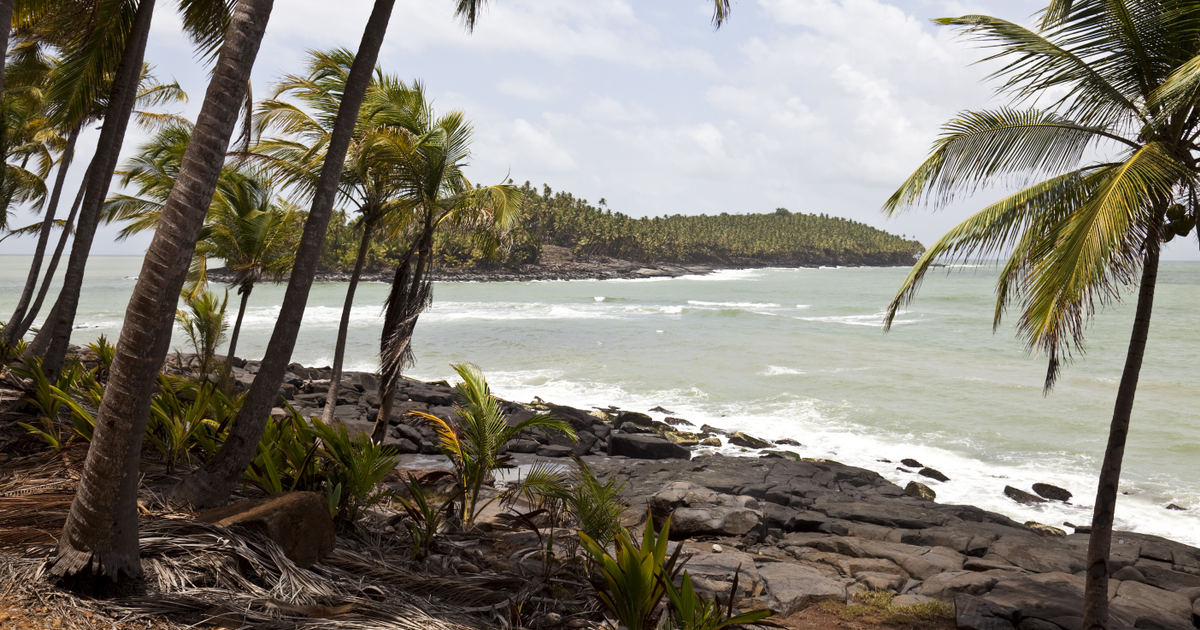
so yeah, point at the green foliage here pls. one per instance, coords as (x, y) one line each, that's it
(49, 398)
(473, 443)
(876, 607)
(186, 417)
(204, 325)
(356, 464)
(294, 455)
(105, 352)
(596, 507)
(559, 218)
(424, 520)
(690, 611)
(634, 578)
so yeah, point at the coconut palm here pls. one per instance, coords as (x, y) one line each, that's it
(212, 483)
(1114, 176)
(254, 232)
(98, 549)
(432, 154)
(367, 177)
(151, 93)
(103, 51)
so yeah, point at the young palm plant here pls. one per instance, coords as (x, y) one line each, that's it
(1112, 163)
(473, 442)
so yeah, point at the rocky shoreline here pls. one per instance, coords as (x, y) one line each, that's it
(556, 263)
(802, 531)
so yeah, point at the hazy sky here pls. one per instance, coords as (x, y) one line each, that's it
(813, 105)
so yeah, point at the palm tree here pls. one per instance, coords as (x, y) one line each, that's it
(98, 549)
(1129, 78)
(367, 177)
(254, 232)
(212, 483)
(99, 32)
(432, 155)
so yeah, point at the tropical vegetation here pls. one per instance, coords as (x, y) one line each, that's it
(1102, 132)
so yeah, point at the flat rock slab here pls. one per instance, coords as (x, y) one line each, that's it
(793, 587)
(888, 515)
(298, 522)
(641, 446)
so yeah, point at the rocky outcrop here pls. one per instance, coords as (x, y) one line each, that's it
(642, 446)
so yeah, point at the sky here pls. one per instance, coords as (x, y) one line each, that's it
(818, 106)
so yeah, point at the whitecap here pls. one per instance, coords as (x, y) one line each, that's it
(734, 304)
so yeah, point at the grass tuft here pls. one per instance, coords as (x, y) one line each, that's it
(877, 607)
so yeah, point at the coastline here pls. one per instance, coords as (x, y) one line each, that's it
(558, 263)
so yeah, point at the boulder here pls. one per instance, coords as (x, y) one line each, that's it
(748, 441)
(788, 442)
(1045, 530)
(298, 522)
(708, 428)
(933, 473)
(792, 587)
(553, 450)
(1043, 555)
(1020, 496)
(720, 521)
(889, 515)
(976, 613)
(645, 447)
(945, 586)
(523, 446)
(919, 490)
(1171, 605)
(911, 463)
(712, 570)
(1048, 491)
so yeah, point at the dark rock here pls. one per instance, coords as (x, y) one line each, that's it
(523, 446)
(634, 427)
(1166, 578)
(405, 445)
(904, 515)
(975, 613)
(1128, 574)
(748, 441)
(298, 522)
(781, 455)
(368, 382)
(1048, 491)
(554, 450)
(919, 490)
(911, 463)
(659, 409)
(408, 432)
(430, 393)
(578, 419)
(1176, 507)
(645, 447)
(634, 417)
(793, 587)
(675, 421)
(788, 442)
(1020, 496)
(708, 428)
(933, 474)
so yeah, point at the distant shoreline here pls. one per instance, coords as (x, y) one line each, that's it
(561, 268)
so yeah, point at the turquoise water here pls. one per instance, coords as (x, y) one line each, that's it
(798, 353)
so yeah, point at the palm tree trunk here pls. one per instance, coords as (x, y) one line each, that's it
(98, 549)
(408, 298)
(51, 341)
(58, 251)
(237, 326)
(339, 352)
(39, 253)
(6, 11)
(212, 483)
(1095, 606)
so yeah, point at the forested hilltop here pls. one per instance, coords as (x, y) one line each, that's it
(560, 219)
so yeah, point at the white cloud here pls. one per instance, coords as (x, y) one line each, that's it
(606, 109)
(528, 90)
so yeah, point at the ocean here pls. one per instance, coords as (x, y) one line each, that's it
(796, 353)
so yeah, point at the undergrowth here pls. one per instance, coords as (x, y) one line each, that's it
(877, 607)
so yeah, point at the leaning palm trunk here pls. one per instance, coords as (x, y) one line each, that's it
(339, 352)
(51, 341)
(237, 326)
(410, 295)
(39, 253)
(1095, 607)
(33, 310)
(6, 11)
(212, 484)
(98, 550)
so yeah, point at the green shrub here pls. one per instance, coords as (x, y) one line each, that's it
(473, 443)
(49, 398)
(204, 324)
(424, 520)
(186, 417)
(690, 611)
(356, 464)
(634, 578)
(595, 507)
